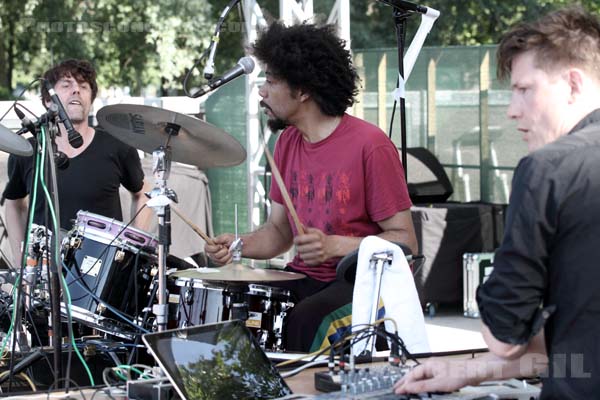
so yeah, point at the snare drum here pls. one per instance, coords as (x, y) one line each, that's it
(263, 308)
(111, 261)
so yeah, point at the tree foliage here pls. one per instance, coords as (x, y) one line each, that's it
(136, 43)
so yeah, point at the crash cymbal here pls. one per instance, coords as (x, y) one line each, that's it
(192, 142)
(238, 273)
(12, 143)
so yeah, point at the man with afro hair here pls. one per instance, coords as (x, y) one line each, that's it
(343, 174)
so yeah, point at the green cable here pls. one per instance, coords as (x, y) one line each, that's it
(33, 199)
(134, 369)
(57, 260)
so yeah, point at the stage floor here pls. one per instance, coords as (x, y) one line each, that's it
(449, 330)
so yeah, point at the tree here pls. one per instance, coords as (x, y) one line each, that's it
(137, 43)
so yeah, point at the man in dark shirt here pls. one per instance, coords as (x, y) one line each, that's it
(96, 169)
(541, 305)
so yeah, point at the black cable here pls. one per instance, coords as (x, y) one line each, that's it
(144, 319)
(29, 85)
(91, 293)
(54, 272)
(218, 27)
(106, 248)
(189, 73)
(108, 306)
(19, 288)
(55, 383)
(37, 335)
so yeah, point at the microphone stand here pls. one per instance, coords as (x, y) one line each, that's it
(53, 269)
(400, 18)
(49, 121)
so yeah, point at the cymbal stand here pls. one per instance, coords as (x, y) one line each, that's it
(160, 198)
(236, 246)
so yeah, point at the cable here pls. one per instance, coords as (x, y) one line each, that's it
(189, 73)
(17, 288)
(210, 48)
(107, 247)
(98, 299)
(302, 368)
(29, 85)
(65, 289)
(56, 382)
(25, 378)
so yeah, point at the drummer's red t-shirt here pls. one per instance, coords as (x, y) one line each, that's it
(341, 185)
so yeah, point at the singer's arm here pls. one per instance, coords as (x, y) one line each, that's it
(139, 199)
(16, 218)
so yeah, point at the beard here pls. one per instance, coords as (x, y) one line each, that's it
(275, 123)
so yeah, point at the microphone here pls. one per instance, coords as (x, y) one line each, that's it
(405, 5)
(27, 125)
(31, 126)
(244, 66)
(74, 137)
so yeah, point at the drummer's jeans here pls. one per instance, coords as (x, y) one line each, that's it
(314, 300)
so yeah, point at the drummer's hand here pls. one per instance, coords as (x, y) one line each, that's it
(435, 375)
(314, 246)
(219, 251)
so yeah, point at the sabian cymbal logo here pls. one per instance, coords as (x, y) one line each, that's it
(137, 123)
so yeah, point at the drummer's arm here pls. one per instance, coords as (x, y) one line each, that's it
(272, 238)
(16, 218)
(139, 199)
(315, 246)
(399, 228)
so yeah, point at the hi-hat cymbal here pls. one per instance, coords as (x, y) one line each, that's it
(238, 273)
(12, 143)
(192, 141)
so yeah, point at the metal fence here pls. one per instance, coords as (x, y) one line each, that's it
(455, 107)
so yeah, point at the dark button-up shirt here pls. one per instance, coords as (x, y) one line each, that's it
(547, 269)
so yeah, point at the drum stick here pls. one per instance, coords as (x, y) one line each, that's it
(282, 188)
(195, 227)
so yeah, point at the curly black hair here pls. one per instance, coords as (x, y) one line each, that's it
(313, 59)
(80, 70)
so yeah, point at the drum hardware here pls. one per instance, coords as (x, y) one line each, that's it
(119, 255)
(108, 273)
(168, 136)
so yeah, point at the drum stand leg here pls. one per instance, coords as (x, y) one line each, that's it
(377, 263)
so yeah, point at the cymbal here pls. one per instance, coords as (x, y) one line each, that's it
(12, 143)
(196, 142)
(238, 273)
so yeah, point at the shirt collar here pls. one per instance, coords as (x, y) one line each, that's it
(591, 118)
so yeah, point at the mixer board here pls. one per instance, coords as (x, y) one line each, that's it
(377, 382)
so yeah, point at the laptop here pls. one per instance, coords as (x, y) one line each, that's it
(216, 361)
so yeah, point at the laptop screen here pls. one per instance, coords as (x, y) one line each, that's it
(216, 361)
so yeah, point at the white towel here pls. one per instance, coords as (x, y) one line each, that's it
(398, 292)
